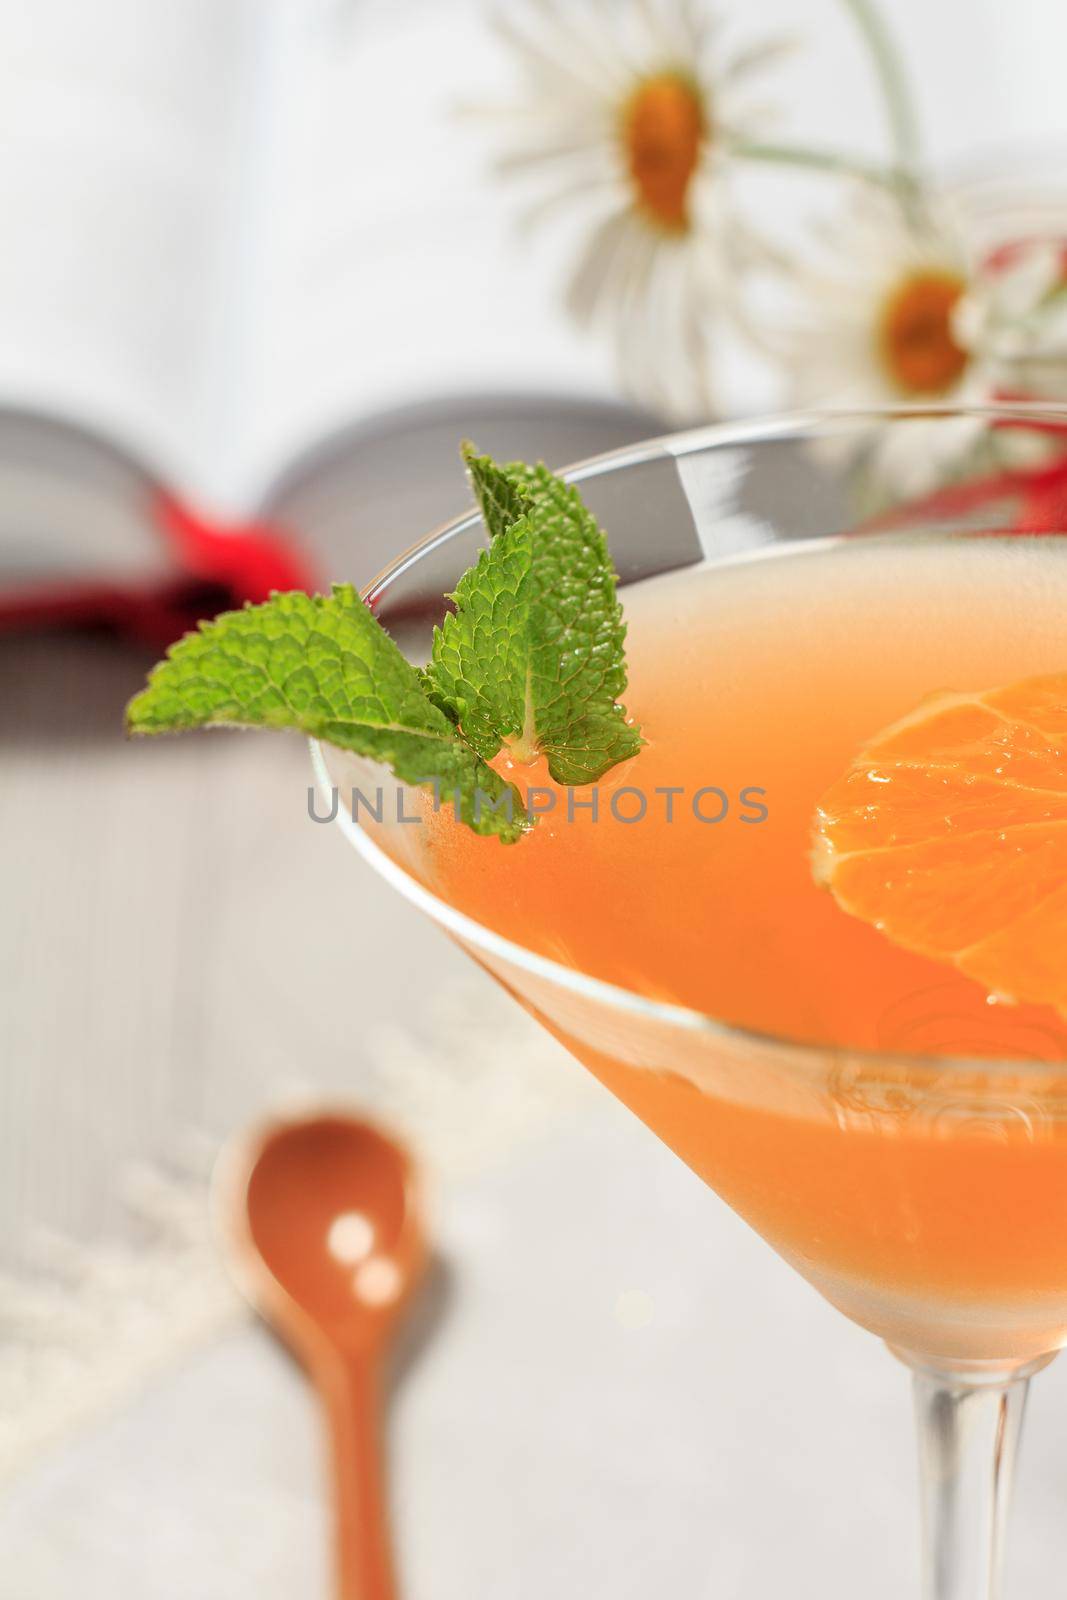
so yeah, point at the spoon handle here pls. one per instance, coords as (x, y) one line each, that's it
(364, 1564)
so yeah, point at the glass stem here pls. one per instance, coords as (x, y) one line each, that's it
(969, 1422)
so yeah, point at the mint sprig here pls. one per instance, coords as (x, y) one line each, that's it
(324, 666)
(534, 652)
(532, 656)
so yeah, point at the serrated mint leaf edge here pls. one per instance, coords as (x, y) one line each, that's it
(362, 737)
(501, 498)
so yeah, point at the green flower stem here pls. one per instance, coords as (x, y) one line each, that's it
(829, 161)
(896, 90)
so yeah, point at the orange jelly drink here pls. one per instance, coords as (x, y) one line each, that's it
(928, 1203)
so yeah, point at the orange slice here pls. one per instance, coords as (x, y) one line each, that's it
(949, 834)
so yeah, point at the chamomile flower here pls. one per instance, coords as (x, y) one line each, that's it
(898, 312)
(627, 111)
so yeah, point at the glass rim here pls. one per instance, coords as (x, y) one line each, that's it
(777, 426)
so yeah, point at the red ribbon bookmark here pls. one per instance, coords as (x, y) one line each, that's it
(216, 566)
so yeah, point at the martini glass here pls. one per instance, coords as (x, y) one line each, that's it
(922, 1188)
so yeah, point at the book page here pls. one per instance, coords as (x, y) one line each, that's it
(121, 128)
(393, 270)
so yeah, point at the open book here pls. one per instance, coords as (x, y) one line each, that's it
(235, 229)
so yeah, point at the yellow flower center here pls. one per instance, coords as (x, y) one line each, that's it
(664, 124)
(915, 336)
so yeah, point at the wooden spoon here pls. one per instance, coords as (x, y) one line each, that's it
(325, 1235)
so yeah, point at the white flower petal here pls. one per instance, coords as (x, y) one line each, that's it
(757, 57)
(1033, 272)
(558, 72)
(593, 190)
(596, 265)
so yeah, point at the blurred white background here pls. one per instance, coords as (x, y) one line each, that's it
(233, 225)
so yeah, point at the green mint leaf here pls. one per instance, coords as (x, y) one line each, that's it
(534, 652)
(325, 666)
(501, 495)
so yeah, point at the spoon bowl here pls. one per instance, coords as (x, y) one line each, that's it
(327, 1231)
